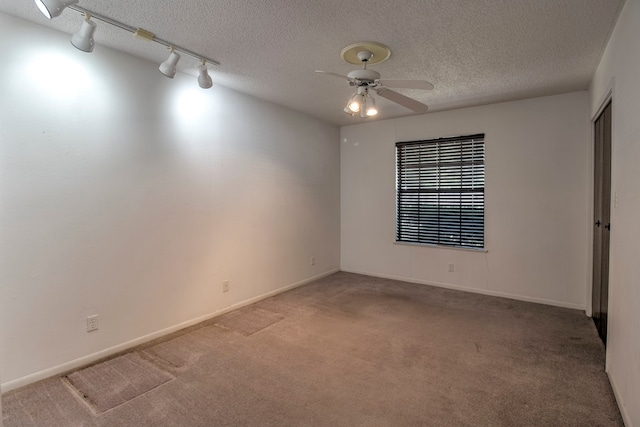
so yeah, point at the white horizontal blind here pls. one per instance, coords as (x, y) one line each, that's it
(440, 191)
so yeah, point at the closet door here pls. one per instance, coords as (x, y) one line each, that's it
(602, 220)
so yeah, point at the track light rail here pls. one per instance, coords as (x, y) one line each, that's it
(133, 30)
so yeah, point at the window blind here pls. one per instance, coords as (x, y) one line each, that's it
(440, 191)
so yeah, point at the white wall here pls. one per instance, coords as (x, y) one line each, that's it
(536, 201)
(133, 196)
(619, 72)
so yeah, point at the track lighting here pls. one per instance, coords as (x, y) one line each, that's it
(168, 67)
(53, 8)
(204, 79)
(83, 39)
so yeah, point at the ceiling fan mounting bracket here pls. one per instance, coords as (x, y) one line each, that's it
(365, 52)
(365, 55)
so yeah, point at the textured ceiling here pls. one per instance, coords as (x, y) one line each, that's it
(473, 51)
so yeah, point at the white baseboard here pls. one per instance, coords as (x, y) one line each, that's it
(85, 360)
(473, 290)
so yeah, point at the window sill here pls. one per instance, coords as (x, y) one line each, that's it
(454, 248)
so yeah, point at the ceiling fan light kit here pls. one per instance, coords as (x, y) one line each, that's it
(354, 103)
(361, 102)
(83, 39)
(371, 109)
(366, 80)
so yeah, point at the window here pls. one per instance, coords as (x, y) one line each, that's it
(440, 191)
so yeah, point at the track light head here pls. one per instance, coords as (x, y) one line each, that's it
(168, 67)
(53, 8)
(204, 79)
(83, 39)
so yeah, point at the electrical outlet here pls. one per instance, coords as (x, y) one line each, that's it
(313, 260)
(92, 323)
(451, 268)
(225, 286)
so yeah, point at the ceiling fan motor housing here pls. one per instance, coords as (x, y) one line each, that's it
(364, 77)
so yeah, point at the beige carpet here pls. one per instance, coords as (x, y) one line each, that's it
(248, 321)
(352, 350)
(111, 383)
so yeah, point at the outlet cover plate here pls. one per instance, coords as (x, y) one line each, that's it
(92, 323)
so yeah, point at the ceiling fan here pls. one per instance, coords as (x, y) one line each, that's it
(366, 80)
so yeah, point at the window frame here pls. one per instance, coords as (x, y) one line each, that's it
(441, 180)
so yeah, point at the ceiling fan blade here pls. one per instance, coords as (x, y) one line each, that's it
(328, 73)
(407, 84)
(405, 101)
